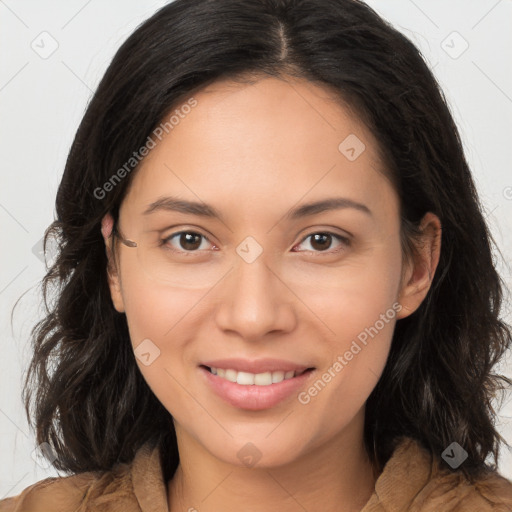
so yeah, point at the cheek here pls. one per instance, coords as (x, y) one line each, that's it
(161, 322)
(360, 314)
(165, 316)
(361, 290)
(153, 310)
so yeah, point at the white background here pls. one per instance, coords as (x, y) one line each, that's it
(42, 102)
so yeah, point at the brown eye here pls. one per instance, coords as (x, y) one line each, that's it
(187, 241)
(323, 241)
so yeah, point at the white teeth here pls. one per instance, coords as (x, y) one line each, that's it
(249, 379)
(277, 377)
(245, 378)
(230, 375)
(263, 379)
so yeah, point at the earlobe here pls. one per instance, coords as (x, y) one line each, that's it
(112, 274)
(106, 226)
(422, 267)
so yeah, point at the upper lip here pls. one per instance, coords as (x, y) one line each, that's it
(256, 366)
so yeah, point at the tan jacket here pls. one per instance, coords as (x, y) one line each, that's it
(412, 481)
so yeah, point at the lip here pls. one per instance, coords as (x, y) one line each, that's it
(257, 366)
(254, 397)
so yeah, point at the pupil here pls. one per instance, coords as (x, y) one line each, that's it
(325, 238)
(189, 241)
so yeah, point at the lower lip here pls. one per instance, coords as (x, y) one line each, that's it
(253, 397)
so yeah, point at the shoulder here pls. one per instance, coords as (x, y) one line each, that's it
(127, 487)
(70, 493)
(433, 487)
(55, 493)
(490, 493)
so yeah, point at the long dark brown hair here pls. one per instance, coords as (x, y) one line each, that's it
(84, 393)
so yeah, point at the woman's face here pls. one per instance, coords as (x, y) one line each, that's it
(266, 282)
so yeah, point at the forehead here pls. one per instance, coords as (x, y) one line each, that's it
(262, 142)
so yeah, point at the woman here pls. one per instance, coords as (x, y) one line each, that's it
(275, 283)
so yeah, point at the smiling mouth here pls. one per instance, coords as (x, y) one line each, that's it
(252, 379)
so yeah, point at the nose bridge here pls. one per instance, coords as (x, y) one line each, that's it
(252, 274)
(255, 300)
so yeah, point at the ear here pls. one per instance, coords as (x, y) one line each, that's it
(113, 275)
(419, 272)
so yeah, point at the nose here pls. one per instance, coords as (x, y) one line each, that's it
(255, 302)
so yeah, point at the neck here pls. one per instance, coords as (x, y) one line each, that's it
(334, 476)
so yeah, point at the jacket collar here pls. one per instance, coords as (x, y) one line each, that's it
(411, 476)
(405, 474)
(147, 480)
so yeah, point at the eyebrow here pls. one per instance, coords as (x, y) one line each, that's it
(205, 210)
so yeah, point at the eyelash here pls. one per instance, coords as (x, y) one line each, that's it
(344, 240)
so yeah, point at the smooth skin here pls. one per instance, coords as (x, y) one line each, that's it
(254, 152)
